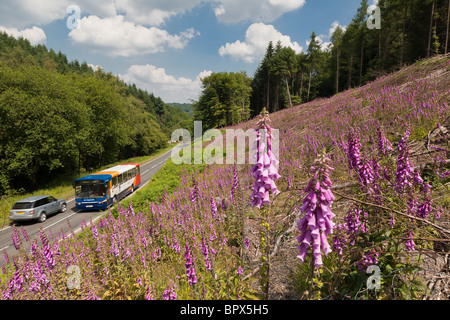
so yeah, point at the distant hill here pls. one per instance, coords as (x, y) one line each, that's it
(57, 116)
(186, 107)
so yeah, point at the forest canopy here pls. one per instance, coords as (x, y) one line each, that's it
(58, 116)
(410, 30)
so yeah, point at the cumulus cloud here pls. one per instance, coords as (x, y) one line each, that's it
(116, 37)
(324, 40)
(232, 11)
(35, 35)
(254, 46)
(154, 12)
(24, 13)
(333, 28)
(169, 88)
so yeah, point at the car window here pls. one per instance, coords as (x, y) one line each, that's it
(23, 205)
(41, 202)
(51, 199)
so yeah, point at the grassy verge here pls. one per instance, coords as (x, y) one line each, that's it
(62, 188)
(167, 179)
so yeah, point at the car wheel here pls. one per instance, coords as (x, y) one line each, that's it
(63, 208)
(42, 217)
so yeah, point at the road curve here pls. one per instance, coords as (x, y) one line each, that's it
(71, 219)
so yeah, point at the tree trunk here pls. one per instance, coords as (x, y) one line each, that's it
(380, 61)
(402, 52)
(276, 102)
(301, 89)
(337, 70)
(350, 72)
(361, 65)
(431, 30)
(309, 85)
(268, 92)
(448, 25)
(288, 93)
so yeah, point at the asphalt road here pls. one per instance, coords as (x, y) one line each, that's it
(60, 221)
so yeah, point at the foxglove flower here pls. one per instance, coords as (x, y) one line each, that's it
(265, 170)
(25, 234)
(205, 254)
(417, 178)
(426, 207)
(213, 207)
(169, 294)
(190, 271)
(339, 240)
(317, 222)
(404, 173)
(353, 151)
(18, 281)
(94, 232)
(148, 295)
(355, 223)
(235, 185)
(47, 251)
(366, 175)
(369, 259)
(383, 144)
(410, 242)
(16, 239)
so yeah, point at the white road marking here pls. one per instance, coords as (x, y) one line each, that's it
(59, 221)
(5, 228)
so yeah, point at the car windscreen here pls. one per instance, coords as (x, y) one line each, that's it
(90, 189)
(22, 205)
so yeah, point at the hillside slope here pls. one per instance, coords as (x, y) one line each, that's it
(205, 241)
(416, 97)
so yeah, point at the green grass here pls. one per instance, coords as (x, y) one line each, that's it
(168, 178)
(62, 188)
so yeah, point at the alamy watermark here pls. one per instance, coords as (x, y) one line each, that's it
(73, 21)
(374, 281)
(74, 280)
(214, 151)
(374, 20)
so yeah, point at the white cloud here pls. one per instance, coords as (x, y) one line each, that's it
(25, 13)
(22, 13)
(232, 11)
(169, 88)
(116, 37)
(35, 35)
(333, 28)
(257, 38)
(95, 67)
(324, 40)
(155, 12)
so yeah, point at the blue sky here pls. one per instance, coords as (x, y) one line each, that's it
(167, 46)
